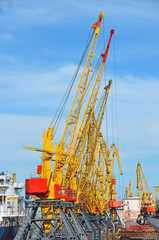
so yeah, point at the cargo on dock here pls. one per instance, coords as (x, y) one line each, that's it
(138, 231)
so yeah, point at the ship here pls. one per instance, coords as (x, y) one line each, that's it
(11, 209)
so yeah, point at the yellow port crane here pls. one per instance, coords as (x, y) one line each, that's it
(144, 195)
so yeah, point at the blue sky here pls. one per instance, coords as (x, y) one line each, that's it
(40, 46)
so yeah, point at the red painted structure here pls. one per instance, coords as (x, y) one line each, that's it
(36, 186)
(115, 204)
(39, 169)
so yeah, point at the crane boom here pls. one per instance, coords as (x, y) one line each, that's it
(72, 121)
(73, 163)
(74, 114)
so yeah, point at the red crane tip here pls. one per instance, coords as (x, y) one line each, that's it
(112, 31)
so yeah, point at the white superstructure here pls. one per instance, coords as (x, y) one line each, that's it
(131, 204)
(9, 197)
(131, 208)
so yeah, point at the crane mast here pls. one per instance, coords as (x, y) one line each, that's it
(69, 133)
(79, 145)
